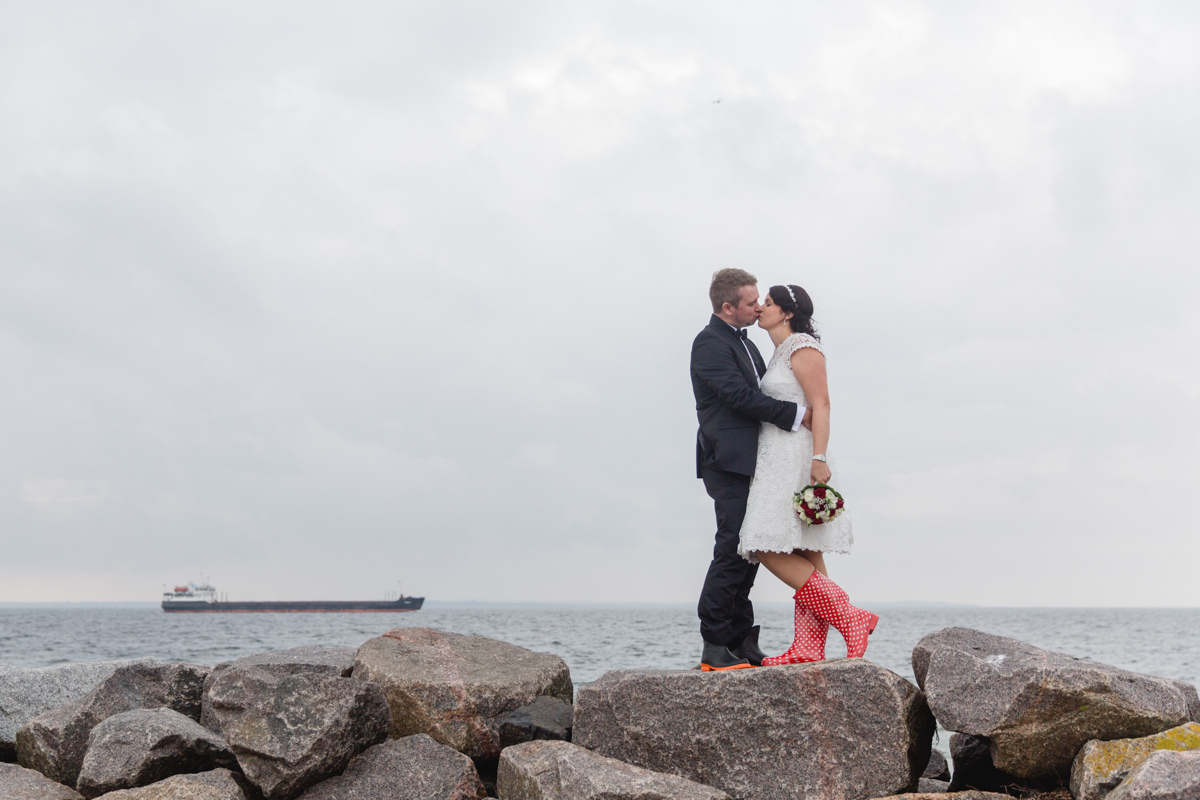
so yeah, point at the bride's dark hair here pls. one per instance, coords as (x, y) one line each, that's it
(801, 308)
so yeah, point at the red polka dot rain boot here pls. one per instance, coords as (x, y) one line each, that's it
(830, 602)
(809, 644)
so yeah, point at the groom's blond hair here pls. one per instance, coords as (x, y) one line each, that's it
(727, 285)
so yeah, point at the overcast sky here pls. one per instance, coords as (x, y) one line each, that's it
(322, 297)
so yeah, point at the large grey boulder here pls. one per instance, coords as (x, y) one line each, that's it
(18, 783)
(291, 731)
(1101, 766)
(54, 743)
(557, 770)
(412, 768)
(840, 730)
(26, 692)
(141, 747)
(1038, 708)
(332, 662)
(458, 688)
(932, 786)
(219, 784)
(1167, 775)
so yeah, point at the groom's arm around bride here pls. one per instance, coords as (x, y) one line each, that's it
(729, 404)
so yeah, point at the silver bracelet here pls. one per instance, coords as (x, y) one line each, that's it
(819, 457)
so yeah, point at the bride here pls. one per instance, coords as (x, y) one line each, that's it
(772, 533)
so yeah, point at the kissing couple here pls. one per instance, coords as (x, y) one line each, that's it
(763, 434)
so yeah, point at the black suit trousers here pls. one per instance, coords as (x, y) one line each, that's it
(726, 614)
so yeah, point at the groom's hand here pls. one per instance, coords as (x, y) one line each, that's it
(807, 421)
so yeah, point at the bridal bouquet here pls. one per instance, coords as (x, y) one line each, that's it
(817, 504)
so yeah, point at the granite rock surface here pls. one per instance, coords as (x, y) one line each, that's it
(292, 731)
(1166, 775)
(218, 784)
(841, 730)
(557, 770)
(334, 662)
(19, 783)
(413, 768)
(932, 786)
(544, 718)
(144, 746)
(1101, 766)
(458, 688)
(54, 743)
(27, 692)
(1037, 707)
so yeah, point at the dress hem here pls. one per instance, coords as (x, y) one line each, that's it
(746, 553)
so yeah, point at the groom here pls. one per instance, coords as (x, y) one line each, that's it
(726, 372)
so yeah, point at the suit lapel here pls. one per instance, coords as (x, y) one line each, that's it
(750, 370)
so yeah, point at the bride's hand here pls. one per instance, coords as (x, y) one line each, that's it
(820, 472)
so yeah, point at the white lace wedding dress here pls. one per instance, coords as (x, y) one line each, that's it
(784, 461)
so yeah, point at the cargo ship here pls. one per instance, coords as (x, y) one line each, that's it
(204, 599)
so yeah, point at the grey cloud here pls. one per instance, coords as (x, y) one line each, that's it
(351, 295)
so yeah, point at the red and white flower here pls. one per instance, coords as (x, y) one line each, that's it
(818, 503)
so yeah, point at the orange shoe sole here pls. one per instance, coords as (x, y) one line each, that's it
(707, 668)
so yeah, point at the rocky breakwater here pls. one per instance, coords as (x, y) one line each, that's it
(835, 730)
(1032, 710)
(420, 714)
(308, 722)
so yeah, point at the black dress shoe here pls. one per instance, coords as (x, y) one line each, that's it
(716, 658)
(749, 648)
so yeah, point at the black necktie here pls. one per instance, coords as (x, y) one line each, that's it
(742, 333)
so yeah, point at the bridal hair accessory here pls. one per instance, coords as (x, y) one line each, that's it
(818, 503)
(791, 294)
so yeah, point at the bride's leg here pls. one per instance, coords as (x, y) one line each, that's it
(791, 568)
(808, 644)
(817, 559)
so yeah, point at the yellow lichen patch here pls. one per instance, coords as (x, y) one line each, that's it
(1102, 765)
(1106, 759)
(1185, 737)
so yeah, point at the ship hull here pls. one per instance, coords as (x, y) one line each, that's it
(298, 607)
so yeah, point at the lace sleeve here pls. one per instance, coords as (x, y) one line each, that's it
(796, 342)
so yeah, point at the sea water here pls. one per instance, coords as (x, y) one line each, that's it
(591, 639)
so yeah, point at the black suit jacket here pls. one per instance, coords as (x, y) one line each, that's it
(729, 404)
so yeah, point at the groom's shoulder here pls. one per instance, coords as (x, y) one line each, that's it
(710, 331)
(706, 335)
(708, 343)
